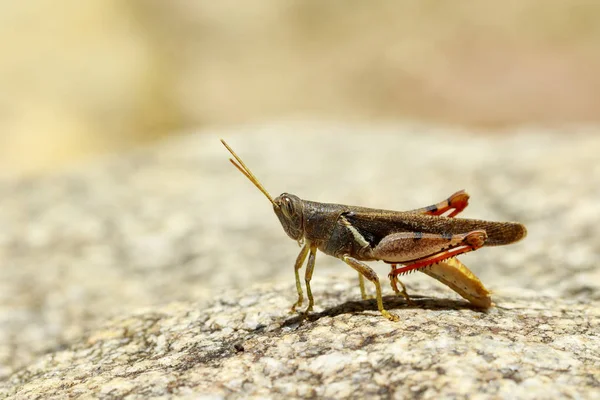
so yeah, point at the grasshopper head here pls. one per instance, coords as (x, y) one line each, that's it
(287, 207)
(290, 209)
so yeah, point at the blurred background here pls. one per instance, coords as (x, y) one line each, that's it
(85, 78)
(81, 78)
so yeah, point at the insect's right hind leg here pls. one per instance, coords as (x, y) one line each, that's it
(299, 262)
(456, 202)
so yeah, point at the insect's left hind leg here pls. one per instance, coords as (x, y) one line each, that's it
(456, 202)
(459, 244)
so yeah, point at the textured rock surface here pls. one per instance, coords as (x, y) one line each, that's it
(246, 344)
(175, 223)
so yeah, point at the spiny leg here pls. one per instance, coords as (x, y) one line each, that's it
(368, 273)
(456, 202)
(393, 282)
(411, 247)
(297, 266)
(469, 242)
(310, 267)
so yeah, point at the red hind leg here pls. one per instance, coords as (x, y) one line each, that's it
(457, 202)
(472, 241)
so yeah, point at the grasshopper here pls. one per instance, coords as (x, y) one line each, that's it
(420, 240)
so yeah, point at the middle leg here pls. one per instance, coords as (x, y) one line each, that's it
(368, 273)
(394, 281)
(363, 291)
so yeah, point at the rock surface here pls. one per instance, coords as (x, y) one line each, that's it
(245, 344)
(163, 272)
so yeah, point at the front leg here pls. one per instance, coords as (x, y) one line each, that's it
(310, 267)
(297, 266)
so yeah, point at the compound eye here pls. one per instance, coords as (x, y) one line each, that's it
(287, 207)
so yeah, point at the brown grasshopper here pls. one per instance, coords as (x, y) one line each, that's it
(420, 239)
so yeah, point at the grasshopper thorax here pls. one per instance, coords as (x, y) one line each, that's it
(290, 209)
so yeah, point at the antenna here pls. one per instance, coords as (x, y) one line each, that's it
(246, 171)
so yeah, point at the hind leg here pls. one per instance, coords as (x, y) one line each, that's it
(456, 202)
(428, 254)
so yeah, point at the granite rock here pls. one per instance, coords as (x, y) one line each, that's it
(162, 272)
(246, 344)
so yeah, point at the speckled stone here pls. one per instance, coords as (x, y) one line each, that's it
(530, 347)
(137, 275)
